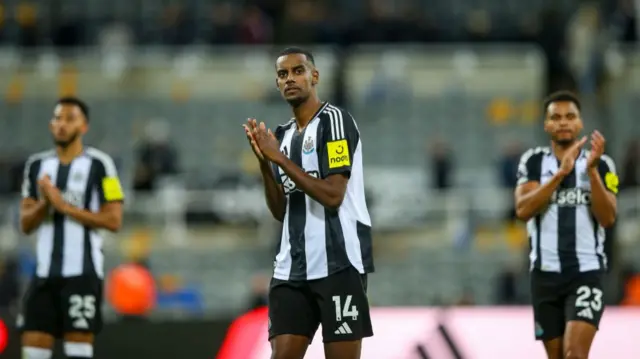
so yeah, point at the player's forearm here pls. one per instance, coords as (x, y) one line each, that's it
(274, 196)
(320, 190)
(603, 204)
(532, 203)
(106, 220)
(32, 216)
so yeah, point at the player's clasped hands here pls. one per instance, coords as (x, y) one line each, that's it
(597, 149)
(569, 159)
(50, 192)
(263, 142)
(249, 129)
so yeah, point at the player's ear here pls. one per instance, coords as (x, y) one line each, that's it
(546, 126)
(315, 77)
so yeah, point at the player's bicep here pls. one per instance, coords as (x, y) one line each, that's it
(339, 182)
(113, 208)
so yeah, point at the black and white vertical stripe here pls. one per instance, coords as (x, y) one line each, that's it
(66, 248)
(565, 237)
(317, 241)
(336, 123)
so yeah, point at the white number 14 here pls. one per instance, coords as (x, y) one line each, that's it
(347, 310)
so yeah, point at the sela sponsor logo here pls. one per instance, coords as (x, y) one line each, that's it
(290, 186)
(571, 197)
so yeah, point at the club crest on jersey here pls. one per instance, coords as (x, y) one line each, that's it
(77, 177)
(571, 197)
(307, 146)
(74, 198)
(584, 177)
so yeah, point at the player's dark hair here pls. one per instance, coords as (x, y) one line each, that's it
(298, 50)
(561, 96)
(70, 100)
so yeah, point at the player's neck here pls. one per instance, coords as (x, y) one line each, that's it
(560, 149)
(67, 154)
(304, 113)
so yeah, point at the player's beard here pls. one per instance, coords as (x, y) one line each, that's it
(564, 142)
(297, 101)
(65, 143)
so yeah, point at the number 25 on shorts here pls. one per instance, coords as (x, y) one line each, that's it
(345, 311)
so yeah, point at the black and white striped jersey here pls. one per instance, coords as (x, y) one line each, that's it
(565, 237)
(317, 241)
(66, 248)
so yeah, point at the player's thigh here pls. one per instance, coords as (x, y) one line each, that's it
(80, 305)
(578, 338)
(344, 308)
(292, 311)
(548, 307)
(343, 350)
(39, 320)
(553, 348)
(584, 308)
(288, 346)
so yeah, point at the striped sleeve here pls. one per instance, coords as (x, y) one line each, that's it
(107, 180)
(529, 167)
(607, 171)
(29, 178)
(339, 141)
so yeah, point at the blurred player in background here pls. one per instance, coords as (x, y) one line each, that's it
(567, 195)
(67, 195)
(313, 178)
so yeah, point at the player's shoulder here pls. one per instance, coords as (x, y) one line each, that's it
(337, 118)
(535, 153)
(285, 126)
(102, 157)
(282, 128)
(606, 161)
(39, 156)
(330, 111)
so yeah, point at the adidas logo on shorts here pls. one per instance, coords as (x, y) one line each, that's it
(343, 329)
(586, 313)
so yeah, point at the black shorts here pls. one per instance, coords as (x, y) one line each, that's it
(338, 302)
(559, 298)
(63, 305)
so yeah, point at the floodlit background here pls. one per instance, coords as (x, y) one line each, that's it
(446, 94)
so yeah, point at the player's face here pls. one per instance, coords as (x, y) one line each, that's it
(563, 122)
(296, 78)
(67, 125)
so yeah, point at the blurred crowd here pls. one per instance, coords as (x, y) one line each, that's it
(572, 33)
